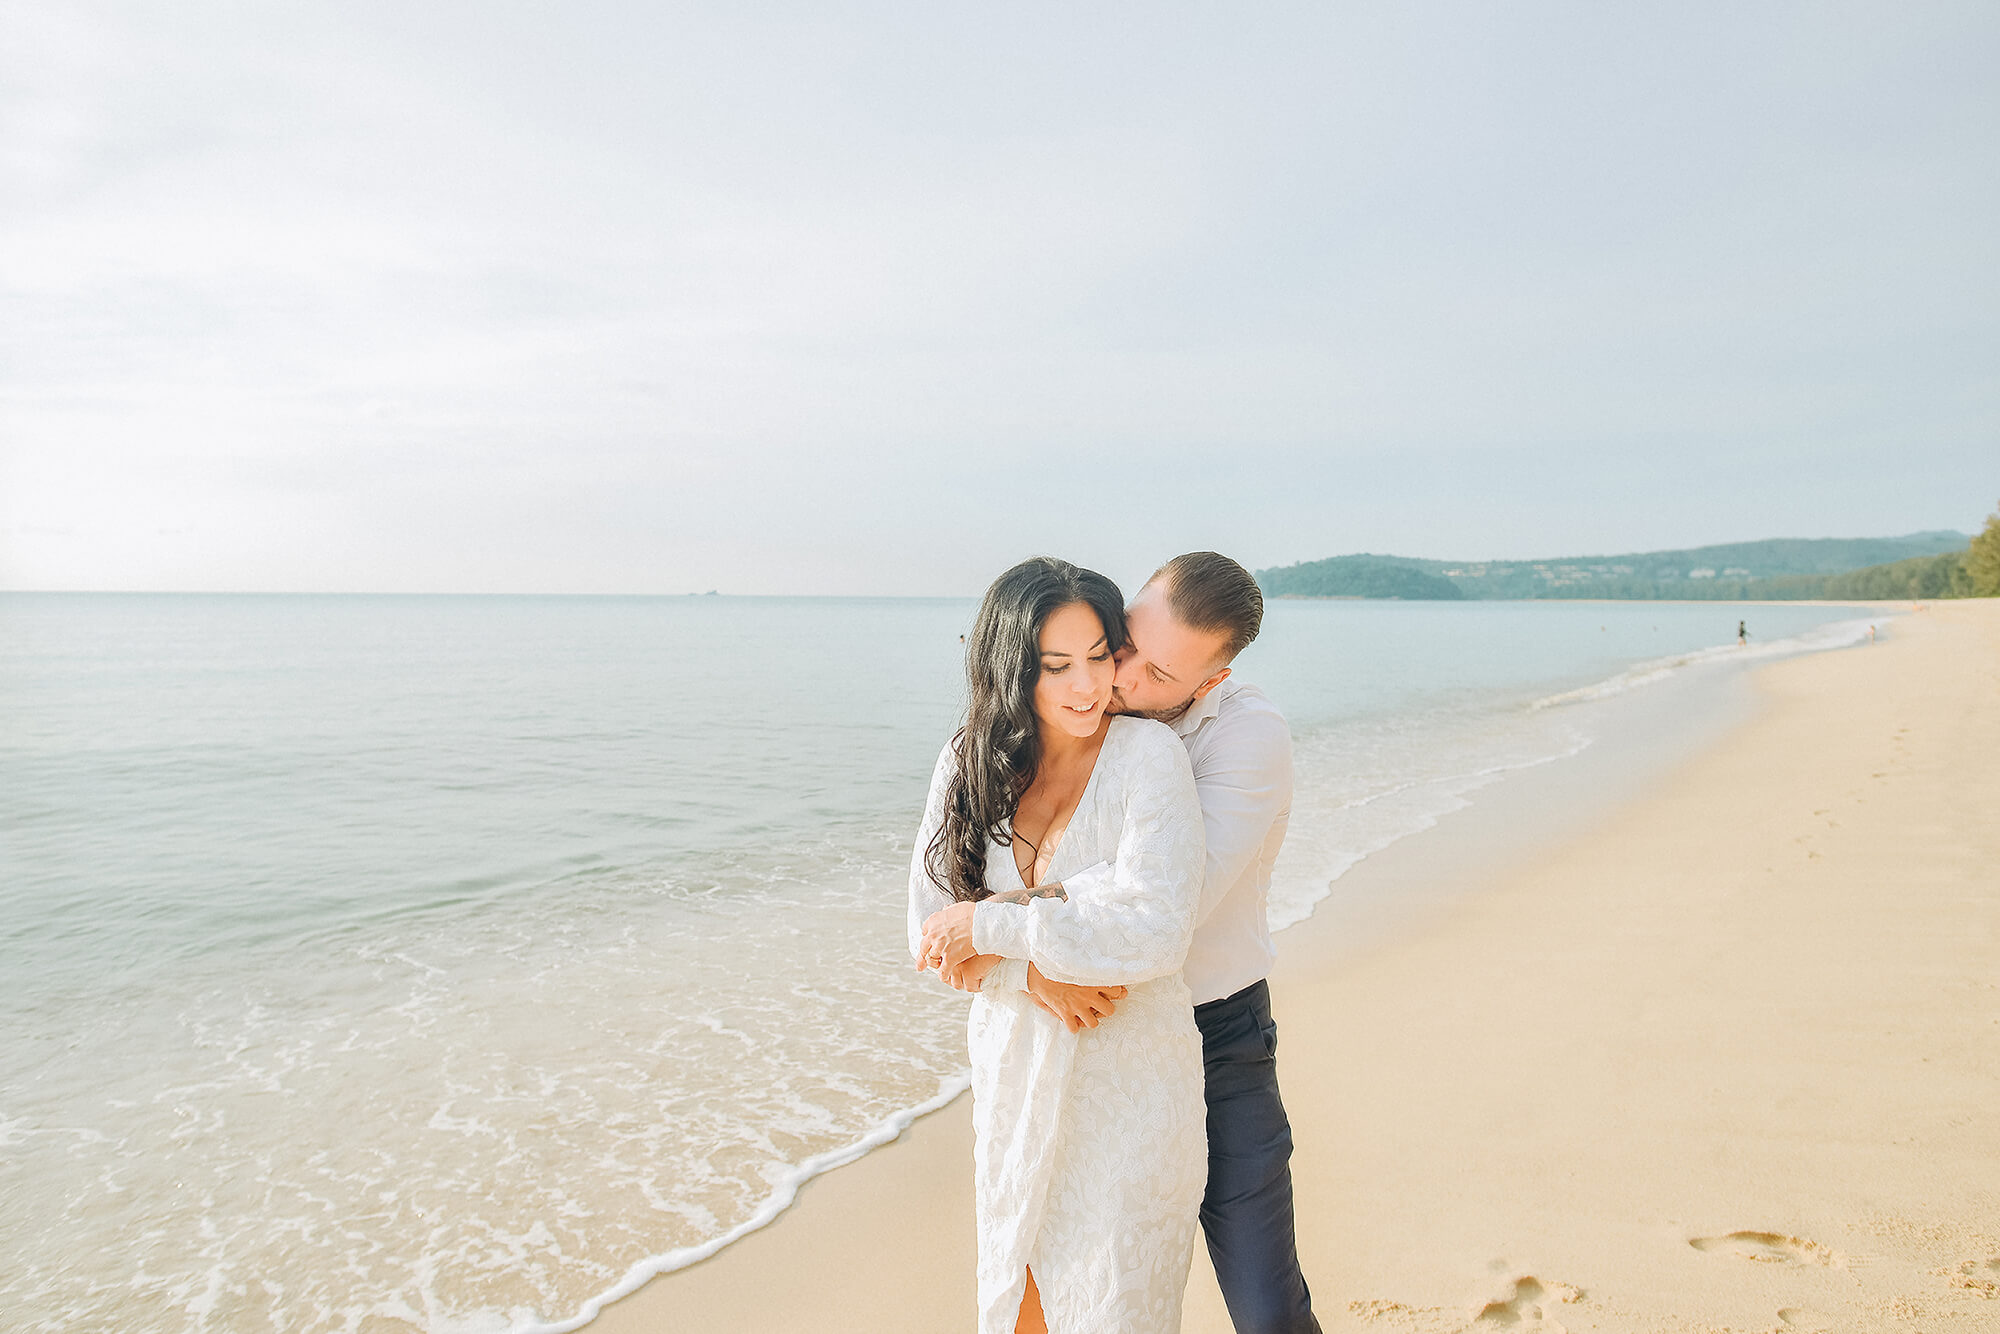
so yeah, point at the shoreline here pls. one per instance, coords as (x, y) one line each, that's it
(886, 1243)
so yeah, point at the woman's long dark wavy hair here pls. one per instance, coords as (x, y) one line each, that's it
(1000, 746)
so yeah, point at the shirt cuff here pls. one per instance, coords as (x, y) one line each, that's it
(1000, 928)
(1005, 977)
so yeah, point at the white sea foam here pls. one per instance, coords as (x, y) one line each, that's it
(505, 1109)
(1364, 786)
(1314, 860)
(780, 1199)
(1837, 634)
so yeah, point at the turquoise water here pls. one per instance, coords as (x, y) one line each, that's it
(452, 962)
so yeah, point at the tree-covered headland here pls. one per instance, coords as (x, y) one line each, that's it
(1927, 565)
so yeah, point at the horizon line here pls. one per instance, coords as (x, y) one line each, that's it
(345, 592)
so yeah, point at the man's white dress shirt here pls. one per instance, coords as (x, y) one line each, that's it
(1241, 750)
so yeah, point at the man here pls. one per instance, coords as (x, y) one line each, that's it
(1186, 626)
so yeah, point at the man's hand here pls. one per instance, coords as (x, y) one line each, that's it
(970, 975)
(947, 942)
(1077, 1007)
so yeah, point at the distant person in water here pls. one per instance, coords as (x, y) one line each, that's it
(1742, 634)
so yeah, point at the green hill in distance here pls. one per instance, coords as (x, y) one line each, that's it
(1358, 577)
(1916, 565)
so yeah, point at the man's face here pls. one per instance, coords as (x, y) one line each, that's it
(1164, 664)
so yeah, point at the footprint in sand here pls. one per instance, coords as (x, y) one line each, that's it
(1530, 1300)
(1805, 1321)
(1980, 1276)
(1768, 1248)
(1397, 1313)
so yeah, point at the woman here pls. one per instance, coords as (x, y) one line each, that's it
(1090, 1154)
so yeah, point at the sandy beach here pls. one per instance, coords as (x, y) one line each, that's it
(1726, 1059)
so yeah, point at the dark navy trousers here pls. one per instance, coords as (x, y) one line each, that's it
(1247, 1213)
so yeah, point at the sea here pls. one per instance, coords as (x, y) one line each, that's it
(458, 963)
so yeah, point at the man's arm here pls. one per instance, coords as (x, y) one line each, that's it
(1137, 922)
(1243, 776)
(1075, 1007)
(947, 933)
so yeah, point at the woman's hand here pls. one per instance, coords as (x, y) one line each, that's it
(970, 975)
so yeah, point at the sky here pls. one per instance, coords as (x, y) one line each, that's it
(880, 298)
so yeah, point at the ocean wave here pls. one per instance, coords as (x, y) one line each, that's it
(1833, 635)
(889, 1130)
(1364, 788)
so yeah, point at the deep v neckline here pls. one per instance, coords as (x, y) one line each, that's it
(1089, 784)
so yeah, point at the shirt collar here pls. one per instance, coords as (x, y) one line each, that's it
(1198, 713)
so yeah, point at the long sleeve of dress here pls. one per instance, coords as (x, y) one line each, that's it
(927, 895)
(1132, 921)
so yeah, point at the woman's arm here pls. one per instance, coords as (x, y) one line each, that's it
(1137, 918)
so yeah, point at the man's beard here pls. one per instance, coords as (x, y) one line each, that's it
(1119, 706)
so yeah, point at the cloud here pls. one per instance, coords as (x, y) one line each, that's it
(626, 296)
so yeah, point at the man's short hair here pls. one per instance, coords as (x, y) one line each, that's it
(1213, 594)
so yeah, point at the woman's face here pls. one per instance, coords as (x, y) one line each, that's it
(1075, 682)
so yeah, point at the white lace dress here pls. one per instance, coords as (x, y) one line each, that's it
(1090, 1154)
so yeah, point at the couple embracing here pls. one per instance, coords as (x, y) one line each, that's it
(1093, 865)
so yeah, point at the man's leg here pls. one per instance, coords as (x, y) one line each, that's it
(1247, 1212)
